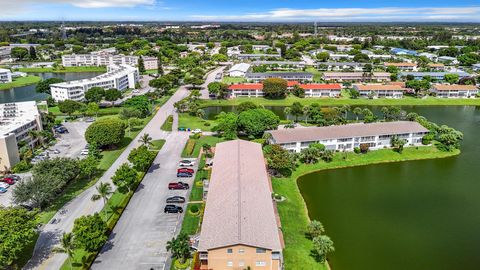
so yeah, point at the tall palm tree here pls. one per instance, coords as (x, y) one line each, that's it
(306, 112)
(357, 111)
(287, 112)
(104, 190)
(66, 246)
(345, 109)
(146, 140)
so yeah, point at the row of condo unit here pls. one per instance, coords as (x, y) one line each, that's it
(348, 137)
(241, 228)
(16, 122)
(120, 77)
(387, 90)
(107, 58)
(5, 75)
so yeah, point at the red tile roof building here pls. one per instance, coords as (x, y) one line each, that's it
(311, 90)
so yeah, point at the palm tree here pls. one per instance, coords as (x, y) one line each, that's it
(200, 113)
(306, 112)
(103, 191)
(385, 112)
(66, 246)
(146, 140)
(287, 112)
(345, 109)
(33, 135)
(357, 111)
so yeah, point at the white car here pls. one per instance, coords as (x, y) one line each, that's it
(187, 163)
(4, 185)
(84, 152)
(195, 131)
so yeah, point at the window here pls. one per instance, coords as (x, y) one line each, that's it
(241, 263)
(229, 250)
(241, 250)
(230, 263)
(260, 263)
(261, 250)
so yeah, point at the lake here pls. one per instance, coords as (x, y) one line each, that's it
(27, 93)
(417, 215)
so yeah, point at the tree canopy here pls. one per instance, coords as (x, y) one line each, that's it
(105, 132)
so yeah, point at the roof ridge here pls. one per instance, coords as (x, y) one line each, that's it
(239, 193)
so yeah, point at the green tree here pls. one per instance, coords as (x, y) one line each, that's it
(354, 94)
(296, 110)
(451, 78)
(104, 190)
(146, 140)
(94, 94)
(279, 159)
(219, 89)
(92, 109)
(69, 106)
(256, 121)
(67, 246)
(44, 86)
(323, 56)
(322, 245)
(141, 65)
(112, 94)
(125, 177)
(141, 158)
(140, 103)
(32, 53)
(88, 166)
(245, 106)
(105, 132)
(17, 231)
(275, 88)
(19, 53)
(357, 111)
(90, 232)
(180, 248)
(397, 144)
(298, 91)
(226, 125)
(315, 229)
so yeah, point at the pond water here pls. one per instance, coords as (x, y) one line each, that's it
(27, 93)
(414, 215)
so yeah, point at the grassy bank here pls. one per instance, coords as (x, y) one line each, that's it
(101, 112)
(20, 81)
(63, 69)
(186, 120)
(293, 212)
(406, 101)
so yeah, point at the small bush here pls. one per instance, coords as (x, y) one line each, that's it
(356, 150)
(22, 166)
(207, 124)
(364, 148)
(190, 146)
(194, 209)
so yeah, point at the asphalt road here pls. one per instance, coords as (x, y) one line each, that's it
(210, 78)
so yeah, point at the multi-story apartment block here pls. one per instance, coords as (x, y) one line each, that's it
(455, 91)
(5, 75)
(294, 76)
(107, 58)
(356, 76)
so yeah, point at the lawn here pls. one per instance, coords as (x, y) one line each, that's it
(191, 222)
(157, 145)
(232, 80)
(167, 125)
(211, 140)
(406, 101)
(20, 81)
(317, 75)
(64, 69)
(186, 120)
(102, 111)
(197, 188)
(293, 212)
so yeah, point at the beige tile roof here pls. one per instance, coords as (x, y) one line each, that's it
(345, 131)
(448, 87)
(378, 87)
(239, 207)
(404, 64)
(436, 65)
(354, 74)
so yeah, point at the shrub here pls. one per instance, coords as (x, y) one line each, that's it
(207, 124)
(105, 132)
(356, 150)
(194, 209)
(427, 139)
(364, 148)
(22, 166)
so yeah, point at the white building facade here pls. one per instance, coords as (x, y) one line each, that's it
(455, 91)
(5, 75)
(348, 137)
(121, 77)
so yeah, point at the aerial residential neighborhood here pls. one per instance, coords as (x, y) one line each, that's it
(208, 135)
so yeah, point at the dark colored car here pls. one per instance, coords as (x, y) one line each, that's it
(176, 199)
(8, 180)
(170, 208)
(184, 174)
(181, 129)
(61, 130)
(178, 185)
(185, 170)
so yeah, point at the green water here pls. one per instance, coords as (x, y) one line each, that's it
(418, 215)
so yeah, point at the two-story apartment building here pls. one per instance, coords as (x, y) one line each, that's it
(405, 66)
(5, 75)
(356, 76)
(292, 76)
(240, 229)
(439, 76)
(347, 137)
(339, 66)
(380, 90)
(311, 89)
(16, 121)
(455, 91)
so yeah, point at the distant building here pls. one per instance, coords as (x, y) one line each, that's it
(281, 64)
(42, 65)
(400, 51)
(121, 77)
(107, 57)
(336, 56)
(240, 227)
(239, 70)
(439, 76)
(338, 66)
(311, 90)
(292, 76)
(347, 137)
(436, 66)
(5, 75)
(430, 56)
(321, 90)
(380, 90)
(16, 120)
(356, 76)
(455, 91)
(405, 66)
(476, 67)
(262, 48)
(448, 59)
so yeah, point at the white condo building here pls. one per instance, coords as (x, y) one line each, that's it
(5, 75)
(16, 120)
(107, 58)
(121, 77)
(347, 137)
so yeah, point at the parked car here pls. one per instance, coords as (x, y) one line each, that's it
(61, 130)
(13, 176)
(176, 199)
(178, 185)
(7, 180)
(181, 129)
(3, 190)
(187, 163)
(186, 170)
(184, 174)
(4, 185)
(170, 208)
(197, 130)
(84, 152)
(56, 151)
(89, 119)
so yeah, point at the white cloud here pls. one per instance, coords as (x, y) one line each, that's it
(356, 14)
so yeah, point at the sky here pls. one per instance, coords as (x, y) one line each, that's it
(243, 10)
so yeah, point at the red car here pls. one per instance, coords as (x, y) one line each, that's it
(8, 180)
(185, 170)
(178, 185)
